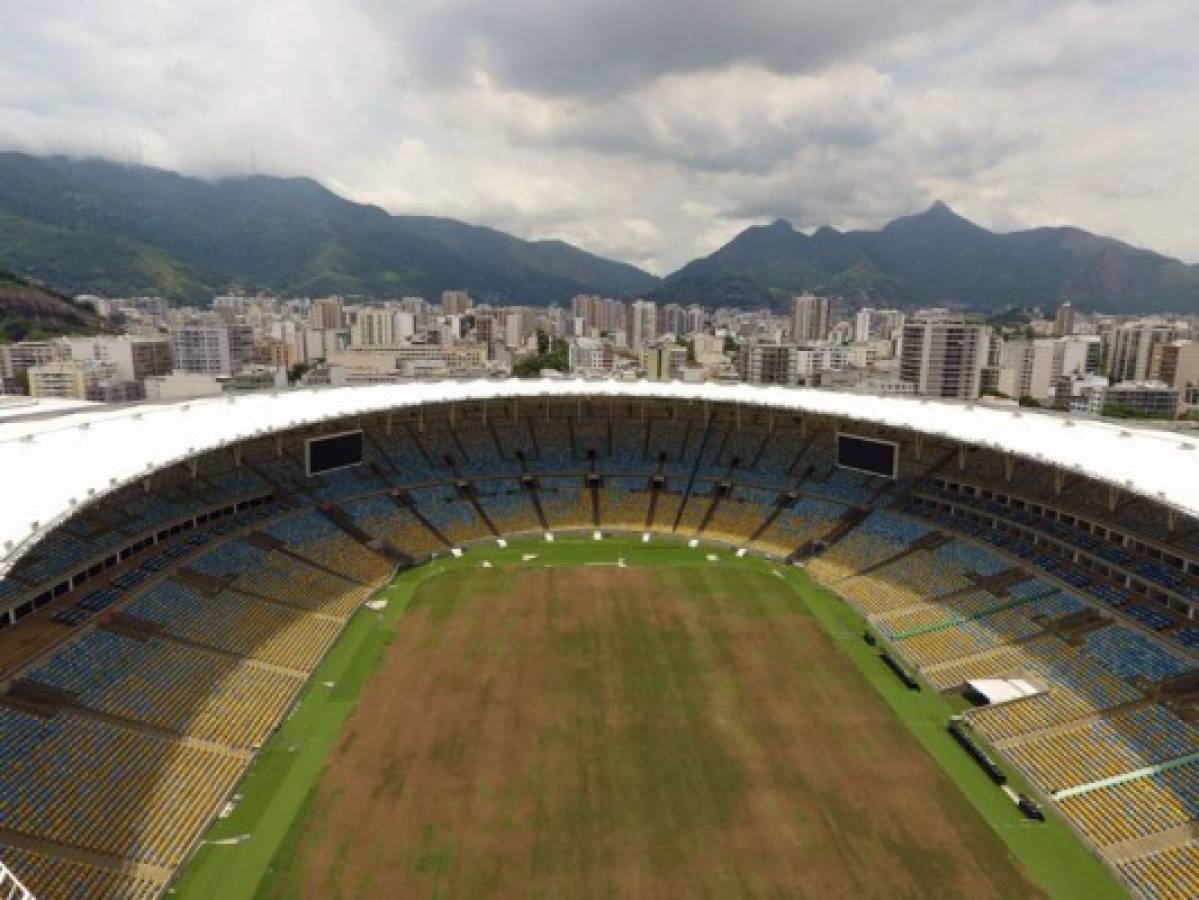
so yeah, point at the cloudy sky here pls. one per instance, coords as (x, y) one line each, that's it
(647, 130)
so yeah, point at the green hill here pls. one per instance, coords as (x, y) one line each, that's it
(31, 311)
(95, 226)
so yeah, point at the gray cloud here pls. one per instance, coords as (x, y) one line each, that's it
(732, 120)
(604, 47)
(649, 131)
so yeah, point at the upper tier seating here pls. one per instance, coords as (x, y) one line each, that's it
(877, 538)
(1129, 655)
(403, 459)
(238, 624)
(482, 456)
(508, 505)
(628, 451)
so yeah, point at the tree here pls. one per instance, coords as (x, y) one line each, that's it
(1120, 411)
(551, 354)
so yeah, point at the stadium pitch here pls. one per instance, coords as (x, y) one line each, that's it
(670, 722)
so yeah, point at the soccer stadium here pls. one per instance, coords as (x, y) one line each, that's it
(569, 638)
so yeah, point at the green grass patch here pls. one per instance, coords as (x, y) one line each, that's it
(277, 794)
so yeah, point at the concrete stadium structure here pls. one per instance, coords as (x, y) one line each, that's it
(172, 575)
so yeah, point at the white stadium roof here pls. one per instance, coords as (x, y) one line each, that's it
(51, 466)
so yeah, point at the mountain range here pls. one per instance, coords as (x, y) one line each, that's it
(938, 257)
(87, 225)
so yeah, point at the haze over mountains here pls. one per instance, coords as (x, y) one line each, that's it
(95, 226)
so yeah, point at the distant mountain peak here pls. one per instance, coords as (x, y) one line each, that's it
(939, 216)
(937, 257)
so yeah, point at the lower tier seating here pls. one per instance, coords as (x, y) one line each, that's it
(878, 537)
(808, 519)
(666, 510)
(1170, 874)
(738, 515)
(312, 535)
(107, 788)
(172, 686)
(695, 508)
(452, 515)
(281, 578)
(509, 506)
(382, 518)
(1137, 808)
(566, 503)
(52, 877)
(626, 503)
(1099, 749)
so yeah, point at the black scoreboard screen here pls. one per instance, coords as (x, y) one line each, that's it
(868, 455)
(337, 451)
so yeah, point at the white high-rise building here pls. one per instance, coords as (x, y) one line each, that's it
(876, 324)
(381, 328)
(1063, 322)
(1132, 349)
(591, 354)
(516, 329)
(1177, 365)
(674, 319)
(134, 358)
(455, 303)
(809, 318)
(944, 355)
(1076, 355)
(1026, 368)
(212, 349)
(768, 363)
(643, 322)
(72, 379)
(325, 313)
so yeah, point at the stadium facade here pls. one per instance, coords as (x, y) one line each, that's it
(172, 575)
